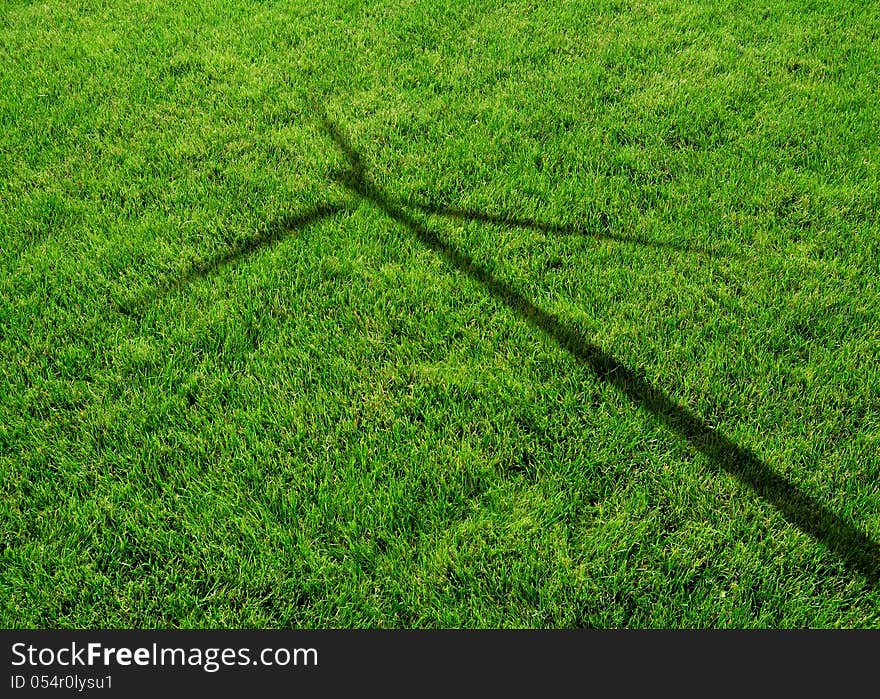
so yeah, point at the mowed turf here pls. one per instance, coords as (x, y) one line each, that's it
(484, 313)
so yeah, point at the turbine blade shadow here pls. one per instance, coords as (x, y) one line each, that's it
(273, 233)
(598, 232)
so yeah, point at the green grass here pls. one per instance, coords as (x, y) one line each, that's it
(444, 313)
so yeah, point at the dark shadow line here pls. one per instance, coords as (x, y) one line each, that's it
(598, 232)
(275, 232)
(859, 552)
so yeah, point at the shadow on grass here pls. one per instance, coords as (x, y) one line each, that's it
(275, 232)
(859, 552)
(601, 232)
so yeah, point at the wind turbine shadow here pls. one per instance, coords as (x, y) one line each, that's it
(857, 550)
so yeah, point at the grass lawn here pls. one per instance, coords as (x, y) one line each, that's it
(485, 313)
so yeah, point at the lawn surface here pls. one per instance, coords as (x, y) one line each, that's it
(443, 313)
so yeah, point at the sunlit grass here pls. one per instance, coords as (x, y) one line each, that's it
(247, 381)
